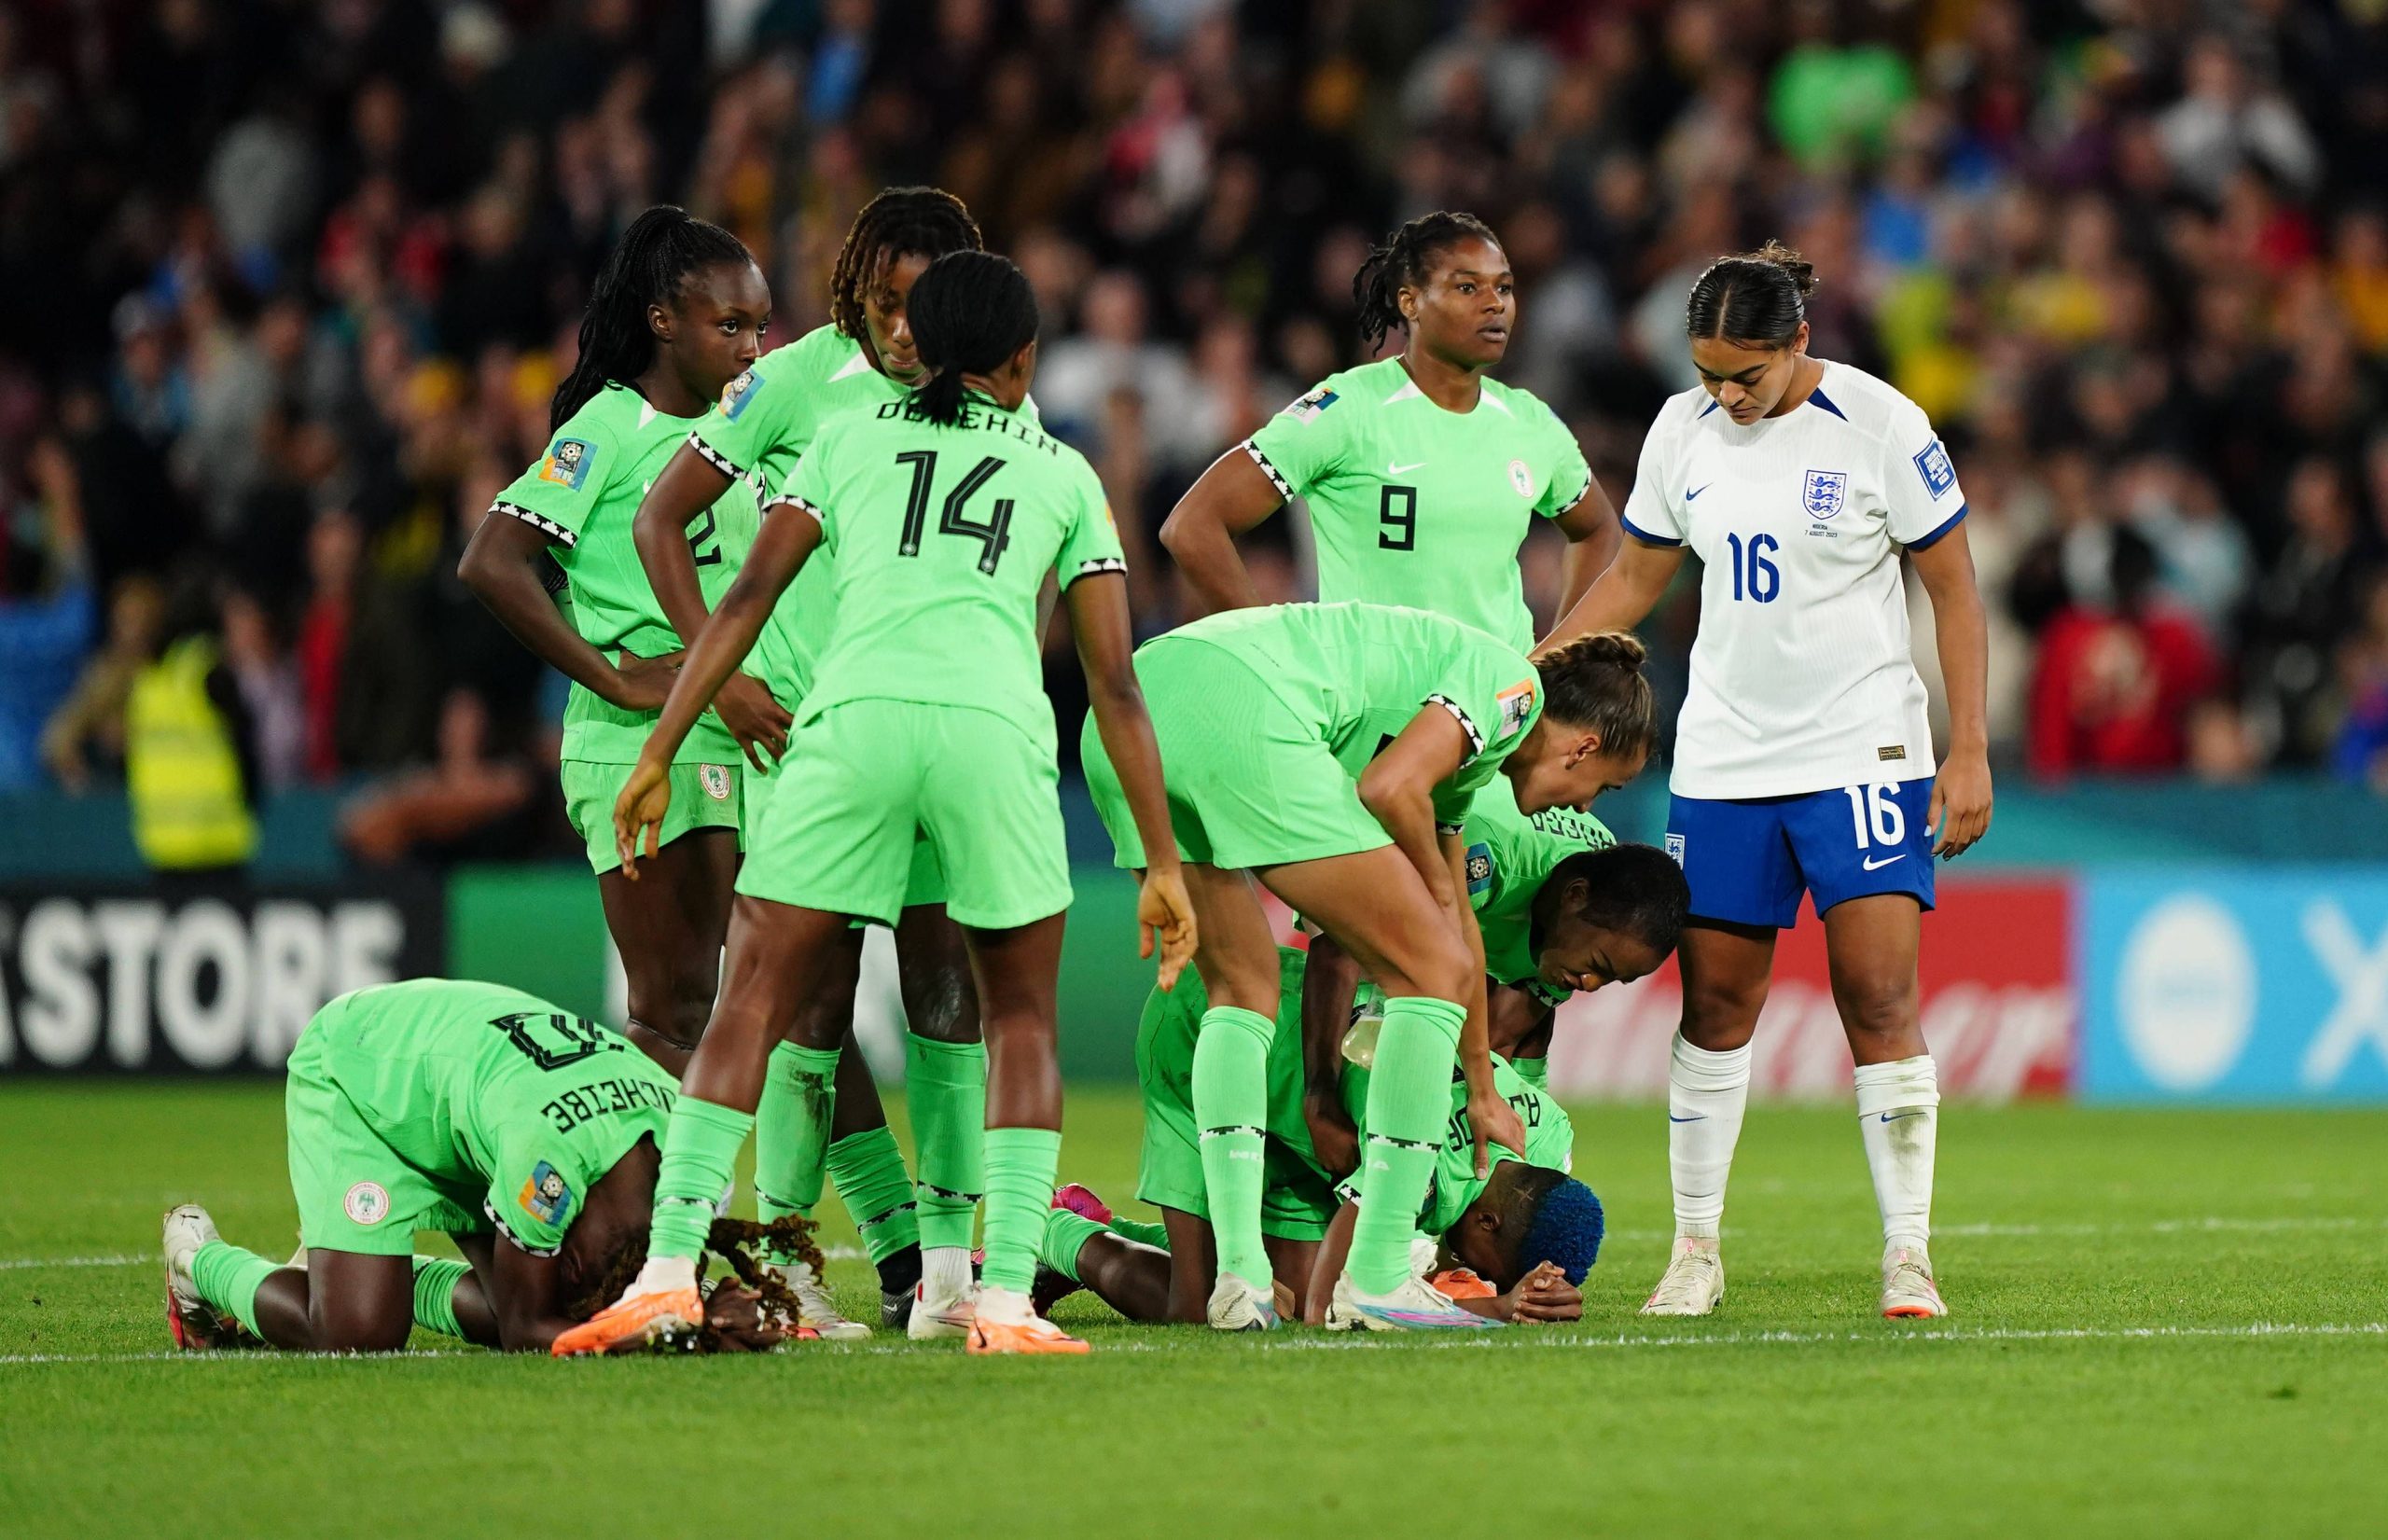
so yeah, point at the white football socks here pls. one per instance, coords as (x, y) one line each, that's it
(945, 1271)
(1706, 1095)
(1898, 1112)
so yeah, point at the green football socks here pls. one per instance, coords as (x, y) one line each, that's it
(946, 1087)
(228, 1277)
(1410, 1100)
(1020, 1163)
(700, 1152)
(867, 1171)
(1065, 1234)
(1142, 1230)
(434, 1293)
(1231, 1109)
(792, 1132)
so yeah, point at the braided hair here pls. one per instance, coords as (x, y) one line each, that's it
(647, 267)
(1757, 298)
(1596, 681)
(922, 221)
(736, 1241)
(1402, 263)
(971, 311)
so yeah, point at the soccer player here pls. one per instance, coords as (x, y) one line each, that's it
(927, 717)
(1423, 474)
(1803, 758)
(1562, 908)
(1331, 752)
(824, 1116)
(527, 1135)
(677, 311)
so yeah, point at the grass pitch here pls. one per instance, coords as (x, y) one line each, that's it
(2165, 1324)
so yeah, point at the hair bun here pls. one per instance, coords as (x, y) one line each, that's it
(1802, 271)
(1619, 648)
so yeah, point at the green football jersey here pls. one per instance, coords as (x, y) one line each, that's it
(1362, 671)
(480, 1085)
(1414, 504)
(582, 495)
(767, 418)
(1550, 1141)
(938, 537)
(1509, 855)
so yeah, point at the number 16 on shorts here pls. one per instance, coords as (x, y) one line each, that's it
(1749, 860)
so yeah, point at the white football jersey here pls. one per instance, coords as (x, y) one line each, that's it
(1801, 677)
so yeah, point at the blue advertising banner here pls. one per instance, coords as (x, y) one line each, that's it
(2234, 984)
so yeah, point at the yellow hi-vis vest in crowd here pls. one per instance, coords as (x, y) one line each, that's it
(180, 768)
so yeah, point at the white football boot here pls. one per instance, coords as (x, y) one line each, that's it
(1237, 1306)
(1416, 1306)
(816, 1308)
(1693, 1284)
(1908, 1292)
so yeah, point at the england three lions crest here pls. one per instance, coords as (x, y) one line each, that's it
(1825, 491)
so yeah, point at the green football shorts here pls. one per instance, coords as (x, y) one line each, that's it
(355, 1193)
(703, 797)
(925, 885)
(878, 780)
(1297, 1200)
(1251, 782)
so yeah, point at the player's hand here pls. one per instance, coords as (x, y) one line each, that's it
(646, 797)
(739, 1321)
(1493, 1121)
(640, 684)
(755, 718)
(1164, 910)
(1543, 1294)
(1334, 1141)
(1961, 793)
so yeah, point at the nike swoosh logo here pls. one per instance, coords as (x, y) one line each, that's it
(1392, 469)
(1697, 490)
(1695, 1117)
(1873, 865)
(1895, 1117)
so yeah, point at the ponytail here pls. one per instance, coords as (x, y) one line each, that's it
(970, 311)
(647, 267)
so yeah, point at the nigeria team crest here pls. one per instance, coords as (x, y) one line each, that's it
(1825, 493)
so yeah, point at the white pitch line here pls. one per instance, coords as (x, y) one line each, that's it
(2251, 1332)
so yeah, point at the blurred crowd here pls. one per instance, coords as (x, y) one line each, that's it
(285, 285)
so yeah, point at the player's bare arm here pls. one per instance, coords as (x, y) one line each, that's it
(1330, 978)
(500, 565)
(1622, 595)
(1099, 619)
(1960, 796)
(789, 535)
(1594, 537)
(689, 486)
(1233, 496)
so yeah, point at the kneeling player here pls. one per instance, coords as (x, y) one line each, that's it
(1560, 909)
(529, 1136)
(1513, 1245)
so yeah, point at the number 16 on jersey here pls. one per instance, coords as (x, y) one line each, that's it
(1754, 576)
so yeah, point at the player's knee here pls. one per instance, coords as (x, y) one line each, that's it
(1440, 970)
(1721, 1018)
(940, 1001)
(335, 1329)
(1879, 1007)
